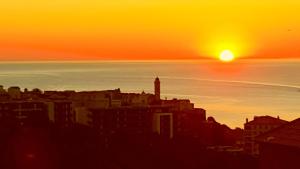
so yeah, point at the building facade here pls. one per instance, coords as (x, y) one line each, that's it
(256, 127)
(133, 120)
(19, 113)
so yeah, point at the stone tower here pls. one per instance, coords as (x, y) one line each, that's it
(157, 88)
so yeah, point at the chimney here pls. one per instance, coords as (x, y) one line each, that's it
(278, 117)
(247, 120)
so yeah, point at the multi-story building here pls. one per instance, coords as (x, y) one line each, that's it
(187, 118)
(19, 113)
(60, 112)
(133, 120)
(31, 108)
(259, 125)
(142, 122)
(189, 122)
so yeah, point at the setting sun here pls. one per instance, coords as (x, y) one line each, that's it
(226, 56)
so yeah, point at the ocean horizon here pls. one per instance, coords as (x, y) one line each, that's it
(230, 92)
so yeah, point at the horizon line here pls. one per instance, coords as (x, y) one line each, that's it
(143, 60)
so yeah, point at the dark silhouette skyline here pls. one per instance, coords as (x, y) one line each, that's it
(114, 130)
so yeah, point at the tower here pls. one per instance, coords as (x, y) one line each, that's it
(157, 88)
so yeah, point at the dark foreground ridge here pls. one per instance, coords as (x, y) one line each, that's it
(114, 130)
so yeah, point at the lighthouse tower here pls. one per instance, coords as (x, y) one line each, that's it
(157, 89)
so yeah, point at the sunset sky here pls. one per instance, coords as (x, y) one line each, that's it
(148, 29)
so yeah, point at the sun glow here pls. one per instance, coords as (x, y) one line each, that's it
(226, 56)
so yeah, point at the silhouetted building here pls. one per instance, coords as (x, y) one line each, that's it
(14, 92)
(61, 112)
(37, 112)
(19, 113)
(187, 123)
(33, 94)
(133, 120)
(280, 147)
(187, 119)
(259, 125)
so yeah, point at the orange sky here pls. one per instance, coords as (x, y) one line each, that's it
(148, 29)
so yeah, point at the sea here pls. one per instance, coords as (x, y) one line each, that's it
(230, 92)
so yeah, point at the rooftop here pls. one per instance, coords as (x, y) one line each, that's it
(287, 134)
(266, 120)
